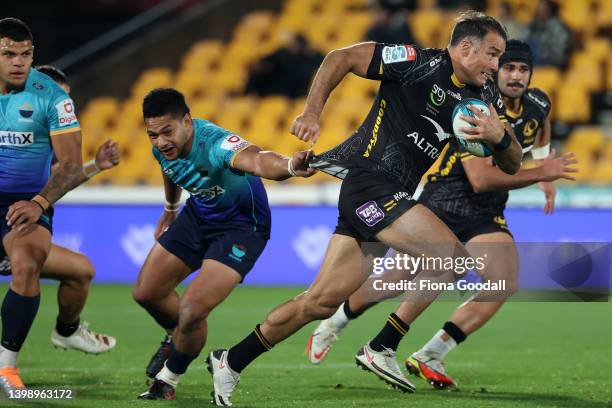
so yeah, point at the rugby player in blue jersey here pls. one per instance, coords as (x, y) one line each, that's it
(73, 270)
(222, 229)
(37, 121)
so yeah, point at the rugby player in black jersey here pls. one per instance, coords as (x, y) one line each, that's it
(469, 194)
(381, 165)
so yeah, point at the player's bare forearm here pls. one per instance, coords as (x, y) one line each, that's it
(334, 68)
(485, 178)
(270, 165)
(171, 190)
(66, 176)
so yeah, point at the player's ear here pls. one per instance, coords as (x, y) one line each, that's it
(188, 122)
(465, 46)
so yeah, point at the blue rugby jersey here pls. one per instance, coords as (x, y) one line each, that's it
(28, 118)
(220, 194)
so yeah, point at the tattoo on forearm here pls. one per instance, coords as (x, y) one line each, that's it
(64, 178)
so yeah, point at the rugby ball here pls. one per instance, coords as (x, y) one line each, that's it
(479, 149)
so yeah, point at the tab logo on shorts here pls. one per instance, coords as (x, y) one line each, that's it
(234, 143)
(8, 138)
(65, 112)
(370, 213)
(398, 53)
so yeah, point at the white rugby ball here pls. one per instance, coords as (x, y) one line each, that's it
(479, 149)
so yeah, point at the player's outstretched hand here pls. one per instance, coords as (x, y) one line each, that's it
(299, 163)
(108, 155)
(550, 192)
(306, 128)
(558, 167)
(487, 128)
(164, 222)
(22, 215)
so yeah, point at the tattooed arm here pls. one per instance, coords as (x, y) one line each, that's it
(67, 175)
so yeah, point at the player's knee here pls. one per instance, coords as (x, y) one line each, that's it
(142, 296)
(89, 270)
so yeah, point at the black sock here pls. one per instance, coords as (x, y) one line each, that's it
(390, 335)
(348, 312)
(178, 362)
(454, 332)
(18, 313)
(65, 329)
(166, 324)
(243, 353)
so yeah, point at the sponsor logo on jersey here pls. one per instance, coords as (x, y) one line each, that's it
(26, 110)
(454, 94)
(437, 96)
(398, 53)
(530, 127)
(537, 100)
(370, 213)
(8, 138)
(234, 143)
(38, 86)
(435, 61)
(374, 138)
(499, 102)
(448, 166)
(440, 133)
(424, 145)
(65, 112)
(207, 193)
(401, 195)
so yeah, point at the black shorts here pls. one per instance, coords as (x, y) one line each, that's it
(192, 241)
(368, 203)
(466, 228)
(6, 200)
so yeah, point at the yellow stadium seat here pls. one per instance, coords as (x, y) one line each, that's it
(577, 15)
(546, 78)
(579, 110)
(588, 76)
(601, 173)
(598, 48)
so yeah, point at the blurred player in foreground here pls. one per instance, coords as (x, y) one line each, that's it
(381, 165)
(73, 270)
(222, 230)
(469, 194)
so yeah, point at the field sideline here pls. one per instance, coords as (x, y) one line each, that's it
(531, 355)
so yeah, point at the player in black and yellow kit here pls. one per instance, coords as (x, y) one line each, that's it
(381, 164)
(469, 194)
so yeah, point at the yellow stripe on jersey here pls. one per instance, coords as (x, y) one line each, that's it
(63, 131)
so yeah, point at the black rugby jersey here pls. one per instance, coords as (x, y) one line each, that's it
(410, 120)
(450, 190)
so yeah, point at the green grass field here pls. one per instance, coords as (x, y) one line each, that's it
(530, 355)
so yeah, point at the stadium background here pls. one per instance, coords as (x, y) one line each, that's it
(114, 52)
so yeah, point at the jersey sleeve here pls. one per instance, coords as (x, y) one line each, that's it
(61, 113)
(498, 102)
(391, 62)
(540, 99)
(224, 147)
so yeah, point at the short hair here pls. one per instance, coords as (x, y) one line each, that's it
(56, 74)
(164, 101)
(475, 24)
(15, 29)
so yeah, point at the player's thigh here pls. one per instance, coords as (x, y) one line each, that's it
(499, 254)
(27, 251)
(346, 265)
(160, 274)
(211, 286)
(62, 263)
(419, 232)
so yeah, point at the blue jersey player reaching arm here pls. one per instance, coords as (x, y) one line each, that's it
(37, 121)
(222, 229)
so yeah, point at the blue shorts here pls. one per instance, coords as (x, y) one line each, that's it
(192, 241)
(6, 200)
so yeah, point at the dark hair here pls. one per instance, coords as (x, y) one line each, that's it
(475, 24)
(517, 50)
(15, 29)
(56, 74)
(163, 101)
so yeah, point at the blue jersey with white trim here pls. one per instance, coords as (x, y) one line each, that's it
(220, 194)
(29, 117)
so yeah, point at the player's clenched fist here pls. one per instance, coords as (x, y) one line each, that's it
(306, 128)
(299, 164)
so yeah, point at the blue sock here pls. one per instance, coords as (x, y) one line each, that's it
(18, 313)
(178, 362)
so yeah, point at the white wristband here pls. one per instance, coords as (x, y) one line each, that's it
(89, 164)
(290, 167)
(539, 153)
(171, 207)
